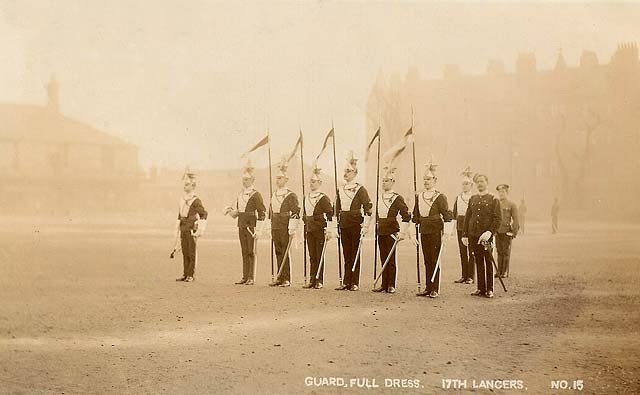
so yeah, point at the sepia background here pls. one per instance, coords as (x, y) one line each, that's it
(104, 104)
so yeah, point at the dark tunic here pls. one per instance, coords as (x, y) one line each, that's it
(439, 213)
(392, 207)
(322, 212)
(254, 209)
(188, 223)
(351, 215)
(483, 214)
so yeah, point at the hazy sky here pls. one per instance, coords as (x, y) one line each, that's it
(197, 82)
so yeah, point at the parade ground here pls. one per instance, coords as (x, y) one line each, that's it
(92, 308)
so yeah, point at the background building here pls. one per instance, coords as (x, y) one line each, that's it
(571, 132)
(52, 164)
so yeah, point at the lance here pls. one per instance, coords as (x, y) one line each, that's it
(415, 208)
(489, 254)
(337, 204)
(375, 234)
(386, 261)
(321, 264)
(304, 210)
(270, 202)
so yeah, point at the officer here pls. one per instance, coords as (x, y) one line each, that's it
(354, 202)
(507, 231)
(480, 225)
(459, 210)
(390, 205)
(285, 215)
(248, 208)
(431, 213)
(190, 225)
(319, 213)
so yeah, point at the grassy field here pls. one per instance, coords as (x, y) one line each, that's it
(95, 309)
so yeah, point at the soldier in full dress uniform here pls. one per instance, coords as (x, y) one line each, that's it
(459, 210)
(507, 231)
(190, 225)
(285, 215)
(480, 225)
(319, 226)
(431, 213)
(390, 205)
(248, 208)
(353, 203)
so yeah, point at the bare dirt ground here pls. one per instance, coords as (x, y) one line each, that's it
(95, 309)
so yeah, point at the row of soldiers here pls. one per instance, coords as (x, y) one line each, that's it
(478, 219)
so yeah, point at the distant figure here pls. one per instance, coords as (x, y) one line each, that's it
(459, 210)
(554, 216)
(507, 231)
(522, 212)
(190, 225)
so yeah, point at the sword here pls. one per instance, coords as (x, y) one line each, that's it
(321, 265)
(286, 255)
(487, 248)
(353, 268)
(442, 245)
(255, 251)
(386, 261)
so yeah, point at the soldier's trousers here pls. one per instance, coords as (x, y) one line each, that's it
(503, 247)
(431, 244)
(188, 245)
(315, 242)
(385, 243)
(466, 259)
(280, 239)
(484, 268)
(350, 240)
(248, 254)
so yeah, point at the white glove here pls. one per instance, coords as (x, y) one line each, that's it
(485, 236)
(293, 225)
(233, 213)
(465, 241)
(332, 230)
(201, 226)
(365, 225)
